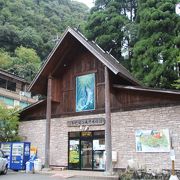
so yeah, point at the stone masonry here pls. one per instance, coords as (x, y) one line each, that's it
(124, 125)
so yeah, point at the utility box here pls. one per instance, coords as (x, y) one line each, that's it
(18, 154)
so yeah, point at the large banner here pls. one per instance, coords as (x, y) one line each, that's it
(152, 140)
(85, 92)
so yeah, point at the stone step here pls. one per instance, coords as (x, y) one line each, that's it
(58, 168)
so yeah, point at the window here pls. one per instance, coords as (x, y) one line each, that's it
(9, 101)
(23, 104)
(11, 86)
(2, 83)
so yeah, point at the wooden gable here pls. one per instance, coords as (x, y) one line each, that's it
(75, 56)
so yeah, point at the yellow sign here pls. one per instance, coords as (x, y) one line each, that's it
(33, 150)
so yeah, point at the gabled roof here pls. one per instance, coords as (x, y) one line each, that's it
(106, 58)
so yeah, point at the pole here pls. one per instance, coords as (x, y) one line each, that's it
(48, 122)
(172, 154)
(108, 144)
(173, 168)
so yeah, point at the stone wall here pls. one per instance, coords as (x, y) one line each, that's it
(34, 132)
(124, 125)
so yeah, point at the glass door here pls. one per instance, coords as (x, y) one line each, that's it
(86, 154)
(99, 154)
(74, 154)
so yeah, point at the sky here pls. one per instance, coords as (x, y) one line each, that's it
(89, 3)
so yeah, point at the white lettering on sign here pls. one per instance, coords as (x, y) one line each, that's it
(86, 122)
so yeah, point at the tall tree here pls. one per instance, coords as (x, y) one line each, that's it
(111, 26)
(155, 53)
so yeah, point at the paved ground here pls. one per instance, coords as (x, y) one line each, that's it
(23, 176)
(11, 175)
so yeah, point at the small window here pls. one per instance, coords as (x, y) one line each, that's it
(99, 133)
(11, 86)
(86, 134)
(74, 134)
(2, 83)
(9, 101)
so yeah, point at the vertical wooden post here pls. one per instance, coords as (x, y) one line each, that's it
(173, 168)
(108, 144)
(48, 122)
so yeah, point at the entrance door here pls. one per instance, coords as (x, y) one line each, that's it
(74, 154)
(86, 154)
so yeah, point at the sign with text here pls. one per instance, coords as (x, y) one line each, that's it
(86, 122)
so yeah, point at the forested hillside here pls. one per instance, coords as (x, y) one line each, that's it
(29, 29)
(144, 35)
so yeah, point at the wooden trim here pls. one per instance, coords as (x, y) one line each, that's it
(48, 122)
(47, 60)
(108, 143)
(84, 73)
(146, 89)
(102, 111)
(101, 84)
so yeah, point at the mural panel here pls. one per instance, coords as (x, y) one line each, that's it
(85, 92)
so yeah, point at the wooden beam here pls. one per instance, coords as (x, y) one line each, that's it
(108, 144)
(48, 122)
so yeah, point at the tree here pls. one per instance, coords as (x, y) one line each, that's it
(5, 60)
(25, 63)
(9, 121)
(177, 82)
(155, 54)
(110, 26)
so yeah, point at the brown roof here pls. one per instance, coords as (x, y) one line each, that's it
(106, 58)
(166, 91)
(13, 76)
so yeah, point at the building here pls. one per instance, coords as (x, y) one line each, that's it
(144, 121)
(13, 91)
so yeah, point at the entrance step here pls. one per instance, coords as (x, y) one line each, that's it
(58, 168)
(97, 177)
(85, 175)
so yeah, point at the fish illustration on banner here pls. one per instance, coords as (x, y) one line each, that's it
(85, 92)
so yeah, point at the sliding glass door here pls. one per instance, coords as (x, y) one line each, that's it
(86, 154)
(86, 150)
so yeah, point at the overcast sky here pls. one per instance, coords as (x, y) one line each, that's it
(89, 3)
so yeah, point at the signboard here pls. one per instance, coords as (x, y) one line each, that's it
(152, 140)
(86, 122)
(85, 92)
(172, 155)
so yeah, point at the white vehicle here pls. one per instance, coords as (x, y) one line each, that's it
(3, 163)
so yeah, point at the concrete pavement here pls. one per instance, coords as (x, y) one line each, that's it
(57, 175)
